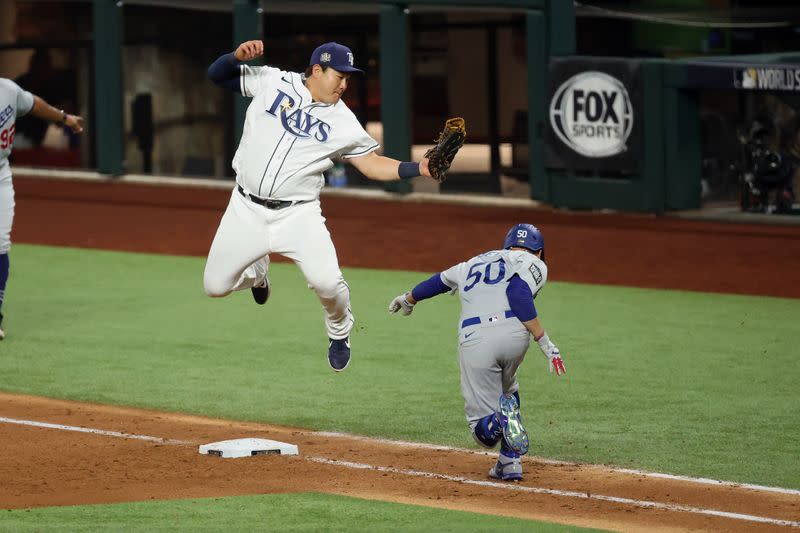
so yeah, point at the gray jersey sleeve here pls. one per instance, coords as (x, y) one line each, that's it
(24, 101)
(452, 276)
(15, 95)
(530, 268)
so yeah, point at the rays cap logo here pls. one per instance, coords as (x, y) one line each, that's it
(591, 113)
(334, 55)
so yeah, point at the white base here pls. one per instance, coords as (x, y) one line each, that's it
(248, 448)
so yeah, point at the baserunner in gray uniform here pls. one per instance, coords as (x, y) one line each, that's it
(15, 102)
(498, 316)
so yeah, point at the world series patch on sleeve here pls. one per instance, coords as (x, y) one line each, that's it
(450, 140)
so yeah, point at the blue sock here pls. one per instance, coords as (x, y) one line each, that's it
(488, 431)
(3, 279)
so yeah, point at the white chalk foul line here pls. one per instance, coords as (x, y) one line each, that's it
(458, 479)
(90, 430)
(707, 481)
(564, 493)
(542, 460)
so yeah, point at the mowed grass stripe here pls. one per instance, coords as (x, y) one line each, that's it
(270, 512)
(678, 382)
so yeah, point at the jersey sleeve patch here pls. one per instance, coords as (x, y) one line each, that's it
(531, 270)
(538, 277)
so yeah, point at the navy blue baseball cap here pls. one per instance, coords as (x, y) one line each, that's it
(334, 55)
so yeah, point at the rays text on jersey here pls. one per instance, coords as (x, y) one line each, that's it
(296, 121)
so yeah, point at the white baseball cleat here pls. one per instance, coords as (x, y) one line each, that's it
(2, 334)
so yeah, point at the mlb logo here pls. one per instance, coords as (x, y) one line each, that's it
(494, 318)
(326, 57)
(350, 58)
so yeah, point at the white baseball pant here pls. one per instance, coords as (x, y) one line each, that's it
(6, 213)
(248, 233)
(489, 356)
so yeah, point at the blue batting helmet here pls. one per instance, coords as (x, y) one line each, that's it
(525, 236)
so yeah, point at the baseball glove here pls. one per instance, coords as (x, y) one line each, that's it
(447, 145)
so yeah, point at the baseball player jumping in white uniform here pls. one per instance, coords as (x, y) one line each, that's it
(498, 317)
(294, 126)
(16, 102)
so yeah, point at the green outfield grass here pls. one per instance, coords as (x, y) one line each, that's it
(678, 382)
(275, 512)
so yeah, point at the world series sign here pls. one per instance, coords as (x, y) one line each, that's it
(768, 79)
(592, 115)
(745, 77)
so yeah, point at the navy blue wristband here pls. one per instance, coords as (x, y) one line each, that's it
(408, 170)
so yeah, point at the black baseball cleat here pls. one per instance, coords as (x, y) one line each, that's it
(339, 353)
(261, 293)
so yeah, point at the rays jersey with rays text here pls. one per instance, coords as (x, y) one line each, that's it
(288, 140)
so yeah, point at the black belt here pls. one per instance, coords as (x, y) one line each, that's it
(270, 204)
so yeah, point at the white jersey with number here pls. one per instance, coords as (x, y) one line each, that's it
(14, 102)
(288, 140)
(481, 282)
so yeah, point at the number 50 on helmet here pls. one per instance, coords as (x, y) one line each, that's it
(525, 236)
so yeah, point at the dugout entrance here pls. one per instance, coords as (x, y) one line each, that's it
(419, 41)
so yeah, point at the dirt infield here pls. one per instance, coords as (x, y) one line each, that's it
(45, 466)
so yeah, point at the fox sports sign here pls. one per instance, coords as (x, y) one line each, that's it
(591, 113)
